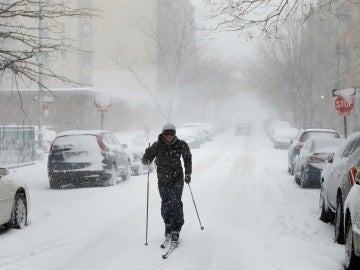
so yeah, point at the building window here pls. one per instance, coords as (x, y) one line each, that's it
(87, 60)
(86, 31)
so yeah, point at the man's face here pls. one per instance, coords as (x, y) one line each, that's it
(169, 135)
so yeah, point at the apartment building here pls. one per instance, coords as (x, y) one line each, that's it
(118, 54)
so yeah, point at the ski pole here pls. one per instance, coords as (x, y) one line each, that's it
(147, 205)
(201, 226)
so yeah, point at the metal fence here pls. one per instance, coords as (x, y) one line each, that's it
(17, 144)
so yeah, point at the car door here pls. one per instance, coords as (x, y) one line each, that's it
(345, 180)
(337, 172)
(301, 158)
(5, 201)
(116, 148)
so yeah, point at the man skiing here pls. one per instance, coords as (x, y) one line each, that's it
(167, 151)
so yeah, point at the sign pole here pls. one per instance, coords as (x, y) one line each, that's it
(345, 127)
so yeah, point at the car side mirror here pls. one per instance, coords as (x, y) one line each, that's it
(4, 171)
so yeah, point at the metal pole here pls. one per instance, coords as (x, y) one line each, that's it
(147, 205)
(345, 127)
(201, 226)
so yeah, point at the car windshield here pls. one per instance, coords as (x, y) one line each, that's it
(76, 143)
(318, 134)
(328, 145)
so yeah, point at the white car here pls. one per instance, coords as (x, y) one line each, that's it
(14, 201)
(352, 223)
(282, 137)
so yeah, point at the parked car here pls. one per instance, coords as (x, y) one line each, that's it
(243, 128)
(312, 159)
(135, 148)
(336, 181)
(201, 129)
(282, 137)
(352, 223)
(276, 125)
(87, 157)
(14, 201)
(189, 136)
(304, 135)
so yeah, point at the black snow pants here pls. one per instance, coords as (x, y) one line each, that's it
(171, 204)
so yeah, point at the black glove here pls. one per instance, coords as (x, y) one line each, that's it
(187, 179)
(144, 159)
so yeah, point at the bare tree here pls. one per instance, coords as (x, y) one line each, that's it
(29, 34)
(264, 16)
(173, 52)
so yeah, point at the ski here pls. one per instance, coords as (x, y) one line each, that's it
(173, 246)
(166, 241)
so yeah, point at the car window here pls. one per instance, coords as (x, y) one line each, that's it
(356, 145)
(349, 147)
(318, 134)
(307, 146)
(340, 150)
(109, 139)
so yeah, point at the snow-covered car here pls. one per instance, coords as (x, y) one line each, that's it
(336, 182)
(304, 135)
(203, 129)
(189, 136)
(282, 137)
(243, 128)
(134, 146)
(312, 159)
(87, 157)
(14, 201)
(352, 224)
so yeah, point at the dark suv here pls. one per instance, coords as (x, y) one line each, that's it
(87, 157)
(301, 137)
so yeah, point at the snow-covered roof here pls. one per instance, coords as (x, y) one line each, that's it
(81, 132)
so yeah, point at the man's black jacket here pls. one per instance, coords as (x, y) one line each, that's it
(167, 158)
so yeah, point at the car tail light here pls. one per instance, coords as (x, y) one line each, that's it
(298, 146)
(352, 175)
(315, 159)
(51, 147)
(101, 144)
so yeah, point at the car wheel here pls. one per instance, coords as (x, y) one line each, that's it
(292, 169)
(19, 212)
(339, 222)
(324, 215)
(302, 179)
(296, 179)
(112, 179)
(53, 184)
(351, 261)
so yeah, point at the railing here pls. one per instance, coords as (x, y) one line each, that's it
(17, 144)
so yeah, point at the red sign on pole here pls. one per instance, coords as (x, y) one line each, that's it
(344, 106)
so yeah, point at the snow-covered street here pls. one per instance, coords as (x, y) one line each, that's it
(255, 217)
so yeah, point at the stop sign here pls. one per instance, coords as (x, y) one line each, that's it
(344, 106)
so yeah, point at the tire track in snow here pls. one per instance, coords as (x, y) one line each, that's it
(35, 251)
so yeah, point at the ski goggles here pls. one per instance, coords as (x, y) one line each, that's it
(169, 132)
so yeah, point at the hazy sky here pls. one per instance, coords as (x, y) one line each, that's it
(228, 44)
